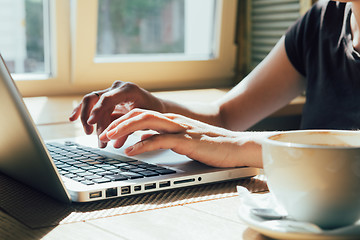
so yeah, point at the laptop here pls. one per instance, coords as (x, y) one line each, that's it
(71, 170)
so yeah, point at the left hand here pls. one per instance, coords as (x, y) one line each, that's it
(211, 145)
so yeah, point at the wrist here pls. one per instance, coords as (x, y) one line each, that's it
(250, 150)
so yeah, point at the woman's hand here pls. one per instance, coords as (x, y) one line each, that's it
(211, 145)
(104, 106)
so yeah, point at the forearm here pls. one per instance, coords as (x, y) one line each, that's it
(204, 112)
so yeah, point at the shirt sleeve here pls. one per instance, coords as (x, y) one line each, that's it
(301, 37)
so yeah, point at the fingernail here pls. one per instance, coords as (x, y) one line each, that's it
(88, 130)
(129, 149)
(111, 133)
(90, 119)
(101, 144)
(103, 137)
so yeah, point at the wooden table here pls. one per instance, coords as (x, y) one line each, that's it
(215, 219)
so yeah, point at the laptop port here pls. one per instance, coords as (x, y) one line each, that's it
(125, 190)
(95, 194)
(184, 181)
(150, 186)
(111, 192)
(137, 188)
(164, 184)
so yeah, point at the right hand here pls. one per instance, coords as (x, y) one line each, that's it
(214, 146)
(104, 106)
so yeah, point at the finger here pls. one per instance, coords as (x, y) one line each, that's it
(101, 144)
(146, 136)
(181, 144)
(103, 136)
(102, 108)
(75, 113)
(118, 143)
(117, 94)
(117, 84)
(101, 125)
(145, 121)
(87, 103)
(155, 142)
(129, 115)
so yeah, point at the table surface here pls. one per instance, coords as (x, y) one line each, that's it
(215, 219)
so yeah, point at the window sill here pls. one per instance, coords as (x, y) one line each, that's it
(53, 110)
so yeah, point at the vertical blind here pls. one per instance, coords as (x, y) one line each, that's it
(269, 21)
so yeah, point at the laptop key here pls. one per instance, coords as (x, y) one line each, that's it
(137, 163)
(117, 177)
(63, 172)
(69, 143)
(80, 158)
(96, 170)
(128, 167)
(83, 174)
(155, 168)
(103, 173)
(78, 170)
(132, 175)
(59, 157)
(89, 167)
(80, 164)
(71, 162)
(101, 180)
(149, 173)
(78, 179)
(70, 155)
(93, 162)
(61, 165)
(137, 169)
(165, 171)
(70, 175)
(121, 164)
(87, 182)
(92, 177)
(125, 159)
(112, 161)
(70, 169)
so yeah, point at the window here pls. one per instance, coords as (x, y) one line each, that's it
(23, 44)
(66, 47)
(35, 44)
(137, 30)
(268, 21)
(157, 44)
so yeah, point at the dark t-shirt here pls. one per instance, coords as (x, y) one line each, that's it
(319, 46)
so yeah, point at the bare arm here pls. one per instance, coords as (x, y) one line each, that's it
(270, 86)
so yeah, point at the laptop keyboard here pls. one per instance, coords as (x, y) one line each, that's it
(90, 165)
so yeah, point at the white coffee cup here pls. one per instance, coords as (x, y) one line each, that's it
(315, 175)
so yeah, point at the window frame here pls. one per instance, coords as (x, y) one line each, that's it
(73, 26)
(58, 34)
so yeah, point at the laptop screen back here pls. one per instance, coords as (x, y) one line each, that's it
(22, 152)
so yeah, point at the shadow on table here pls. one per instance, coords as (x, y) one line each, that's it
(37, 210)
(250, 234)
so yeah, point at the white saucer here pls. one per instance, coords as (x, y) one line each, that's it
(285, 229)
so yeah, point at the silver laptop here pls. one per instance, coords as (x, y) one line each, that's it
(70, 170)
